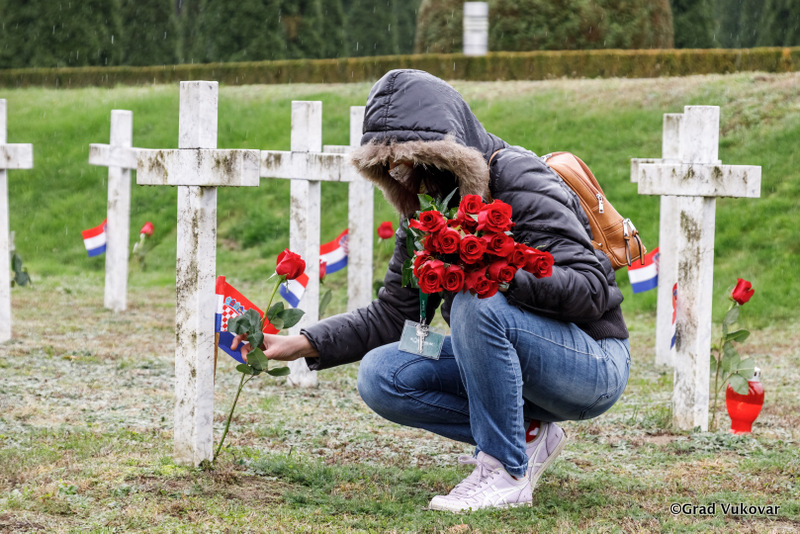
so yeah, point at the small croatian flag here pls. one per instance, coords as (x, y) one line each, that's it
(231, 303)
(674, 314)
(293, 290)
(644, 277)
(94, 239)
(334, 253)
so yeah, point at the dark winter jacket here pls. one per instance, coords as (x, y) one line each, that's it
(416, 117)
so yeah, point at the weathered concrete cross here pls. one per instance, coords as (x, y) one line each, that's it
(12, 156)
(197, 168)
(307, 166)
(700, 178)
(667, 239)
(120, 158)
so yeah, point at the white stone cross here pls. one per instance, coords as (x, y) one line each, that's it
(307, 166)
(700, 179)
(12, 156)
(667, 239)
(197, 168)
(120, 158)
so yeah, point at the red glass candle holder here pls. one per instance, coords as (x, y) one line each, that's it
(744, 409)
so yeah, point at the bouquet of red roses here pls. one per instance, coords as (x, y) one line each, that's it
(469, 248)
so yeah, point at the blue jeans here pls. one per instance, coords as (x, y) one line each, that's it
(500, 367)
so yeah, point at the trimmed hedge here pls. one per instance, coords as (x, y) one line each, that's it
(538, 65)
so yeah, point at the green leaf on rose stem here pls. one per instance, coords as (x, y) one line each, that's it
(278, 371)
(324, 300)
(739, 384)
(274, 311)
(258, 360)
(256, 338)
(409, 243)
(277, 322)
(408, 271)
(713, 364)
(730, 357)
(731, 316)
(738, 335)
(746, 368)
(446, 200)
(291, 317)
(244, 368)
(426, 203)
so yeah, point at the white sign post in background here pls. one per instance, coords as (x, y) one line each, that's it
(699, 178)
(197, 168)
(12, 156)
(476, 28)
(120, 158)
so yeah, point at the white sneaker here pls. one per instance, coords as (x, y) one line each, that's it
(544, 449)
(488, 486)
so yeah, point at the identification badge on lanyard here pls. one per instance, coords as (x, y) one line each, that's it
(420, 338)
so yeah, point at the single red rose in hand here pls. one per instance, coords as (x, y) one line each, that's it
(517, 256)
(495, 217)
(500, 271)
(539, 264)
(431, 276)
(385, 230)
(471, 249)
(499, 244)
(478, 283)
(429, 221)
(742, 292)
(449, 239)
(147, 229)
(290, 265)
(453, 278)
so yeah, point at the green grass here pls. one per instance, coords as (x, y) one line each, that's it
(606, 122)
(86, 407)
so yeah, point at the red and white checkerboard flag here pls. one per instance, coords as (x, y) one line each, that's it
(231, 303)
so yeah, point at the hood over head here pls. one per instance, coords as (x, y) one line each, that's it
(415, 117)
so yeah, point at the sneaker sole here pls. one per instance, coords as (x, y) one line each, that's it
(550, 460)
(463, 510)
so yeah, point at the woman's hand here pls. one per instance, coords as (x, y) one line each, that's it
(279, 348)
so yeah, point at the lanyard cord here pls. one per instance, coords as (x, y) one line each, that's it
(423, 306)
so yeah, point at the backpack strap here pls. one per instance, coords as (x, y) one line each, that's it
(492, 156)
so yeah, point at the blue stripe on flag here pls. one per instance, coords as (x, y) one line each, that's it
(97, 250)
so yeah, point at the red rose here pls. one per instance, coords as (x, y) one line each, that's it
(495, 217)
(431, 276)
(429, 221)
(742, 292)
(323, 269)
(147, 229)
(431, 243)
(517, 257)
(385, 230)
(471, 204)
(421, 257)
(471, 249)
(500, 271)
(453, 278)
(290, 265)
(477, 282)
(449, 240)
(499, 244)
(468, 223)
(539, 264)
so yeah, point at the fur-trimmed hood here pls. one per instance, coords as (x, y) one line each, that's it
(415, 117)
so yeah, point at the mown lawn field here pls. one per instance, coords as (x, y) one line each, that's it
(86, 395)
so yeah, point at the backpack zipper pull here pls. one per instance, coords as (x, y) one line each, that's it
(600, 202)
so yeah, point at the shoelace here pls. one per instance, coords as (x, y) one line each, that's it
(469, 484)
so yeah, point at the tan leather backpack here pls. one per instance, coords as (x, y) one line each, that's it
(613, 234)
